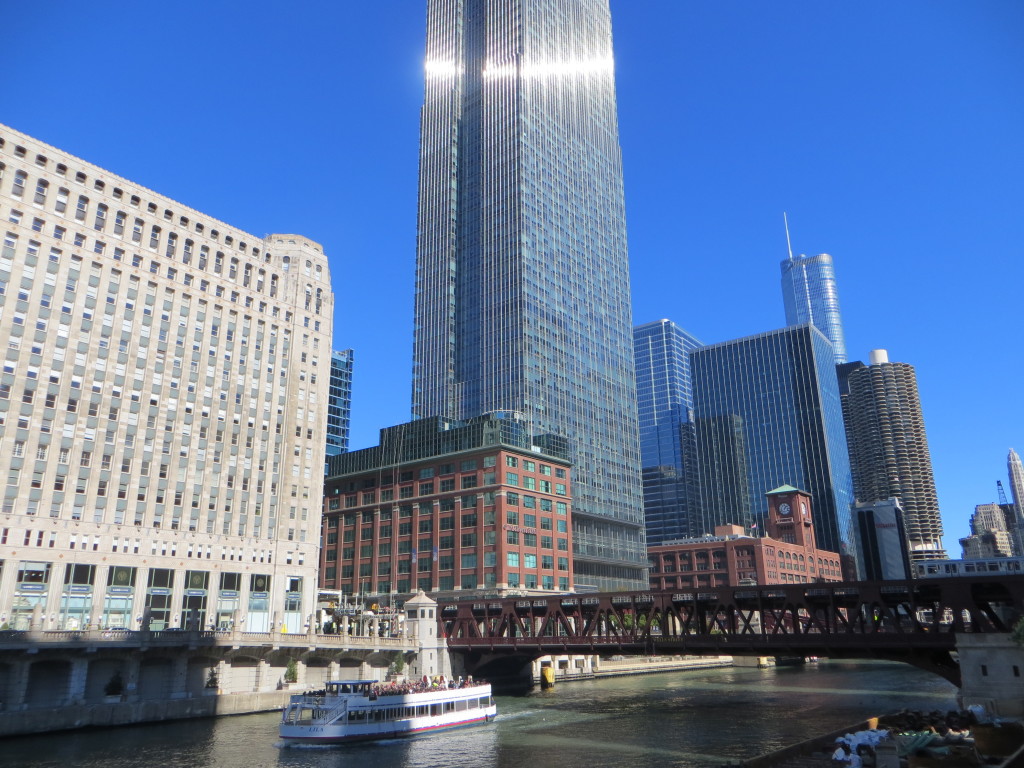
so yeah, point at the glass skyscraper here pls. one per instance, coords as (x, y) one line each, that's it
(810, 295)
(522, 276)
(767, 413)
(339, 401)
(667, 451)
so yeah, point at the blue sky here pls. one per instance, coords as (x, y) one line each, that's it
(890, 132)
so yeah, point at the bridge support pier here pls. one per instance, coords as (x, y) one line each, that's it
(992, 673)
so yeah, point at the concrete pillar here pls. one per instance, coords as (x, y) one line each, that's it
(130, 672)
(262, 675)
(992, 673)
(78, 676)
(333, 670)
(18, 685)
(179, 676)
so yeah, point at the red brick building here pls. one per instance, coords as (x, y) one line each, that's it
(447, 507)
(786, 554)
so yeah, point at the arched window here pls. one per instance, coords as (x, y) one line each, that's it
(18, 187)
(41, 189)
(83, 207)
(233, 269)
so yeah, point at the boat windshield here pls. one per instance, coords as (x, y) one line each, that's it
(336, 687)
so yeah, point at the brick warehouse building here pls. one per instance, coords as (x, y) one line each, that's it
(447, 506)
(787, 554)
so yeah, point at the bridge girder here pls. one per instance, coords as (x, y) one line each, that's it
(915, 621)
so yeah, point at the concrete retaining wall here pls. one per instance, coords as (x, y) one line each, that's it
(40, 720)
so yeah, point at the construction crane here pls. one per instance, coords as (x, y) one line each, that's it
(1002, 493)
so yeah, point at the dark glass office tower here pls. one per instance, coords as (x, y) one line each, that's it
(339, 402)
(522, 279)
(810, 295)
(667, 450)
(767, 413)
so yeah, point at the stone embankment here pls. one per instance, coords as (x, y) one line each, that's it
(639, 665)
(44, 720)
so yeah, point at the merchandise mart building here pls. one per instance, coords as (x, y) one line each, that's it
(522, 282)
(162, 406)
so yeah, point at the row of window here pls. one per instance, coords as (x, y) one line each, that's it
(20, 183)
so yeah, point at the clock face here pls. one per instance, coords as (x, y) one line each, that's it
(784, 508)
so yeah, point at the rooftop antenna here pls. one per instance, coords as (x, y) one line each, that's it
(789, 245)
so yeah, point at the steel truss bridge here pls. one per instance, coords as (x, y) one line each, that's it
(914, 621)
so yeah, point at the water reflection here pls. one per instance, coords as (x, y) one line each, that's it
(686, 719)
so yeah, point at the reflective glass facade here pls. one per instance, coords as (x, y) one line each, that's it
(522, 282)
(810, 295)
(339, 402)
(667, 450)
(767, 413)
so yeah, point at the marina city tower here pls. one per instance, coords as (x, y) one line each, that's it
(522, 282)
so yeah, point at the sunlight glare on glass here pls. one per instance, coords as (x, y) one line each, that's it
(553, 69)
(440, 69)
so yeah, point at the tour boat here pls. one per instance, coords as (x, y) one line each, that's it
(362, 710)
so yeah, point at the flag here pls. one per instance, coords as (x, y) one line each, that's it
(753, 526)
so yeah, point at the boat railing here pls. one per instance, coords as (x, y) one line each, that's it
(332, 714)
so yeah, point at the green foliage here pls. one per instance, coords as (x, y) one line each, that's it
(398, 665)
(114, 686)
(212, 681)
(291, 672)
(1017, 634)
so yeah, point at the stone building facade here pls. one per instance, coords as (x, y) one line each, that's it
(162, 406)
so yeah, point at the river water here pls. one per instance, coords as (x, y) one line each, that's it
(684, 719)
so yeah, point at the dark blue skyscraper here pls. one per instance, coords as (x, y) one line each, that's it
(664, 401)
(522, 275)
(810, 295)
(339, 402)
(767, 413)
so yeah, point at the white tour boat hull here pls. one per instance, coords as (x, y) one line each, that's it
(337, 719)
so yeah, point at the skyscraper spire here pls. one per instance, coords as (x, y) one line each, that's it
(809, 295)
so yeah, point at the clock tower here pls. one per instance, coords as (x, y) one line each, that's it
(789, 516)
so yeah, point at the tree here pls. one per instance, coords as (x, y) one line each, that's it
(1017, 634)
(291, 672)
